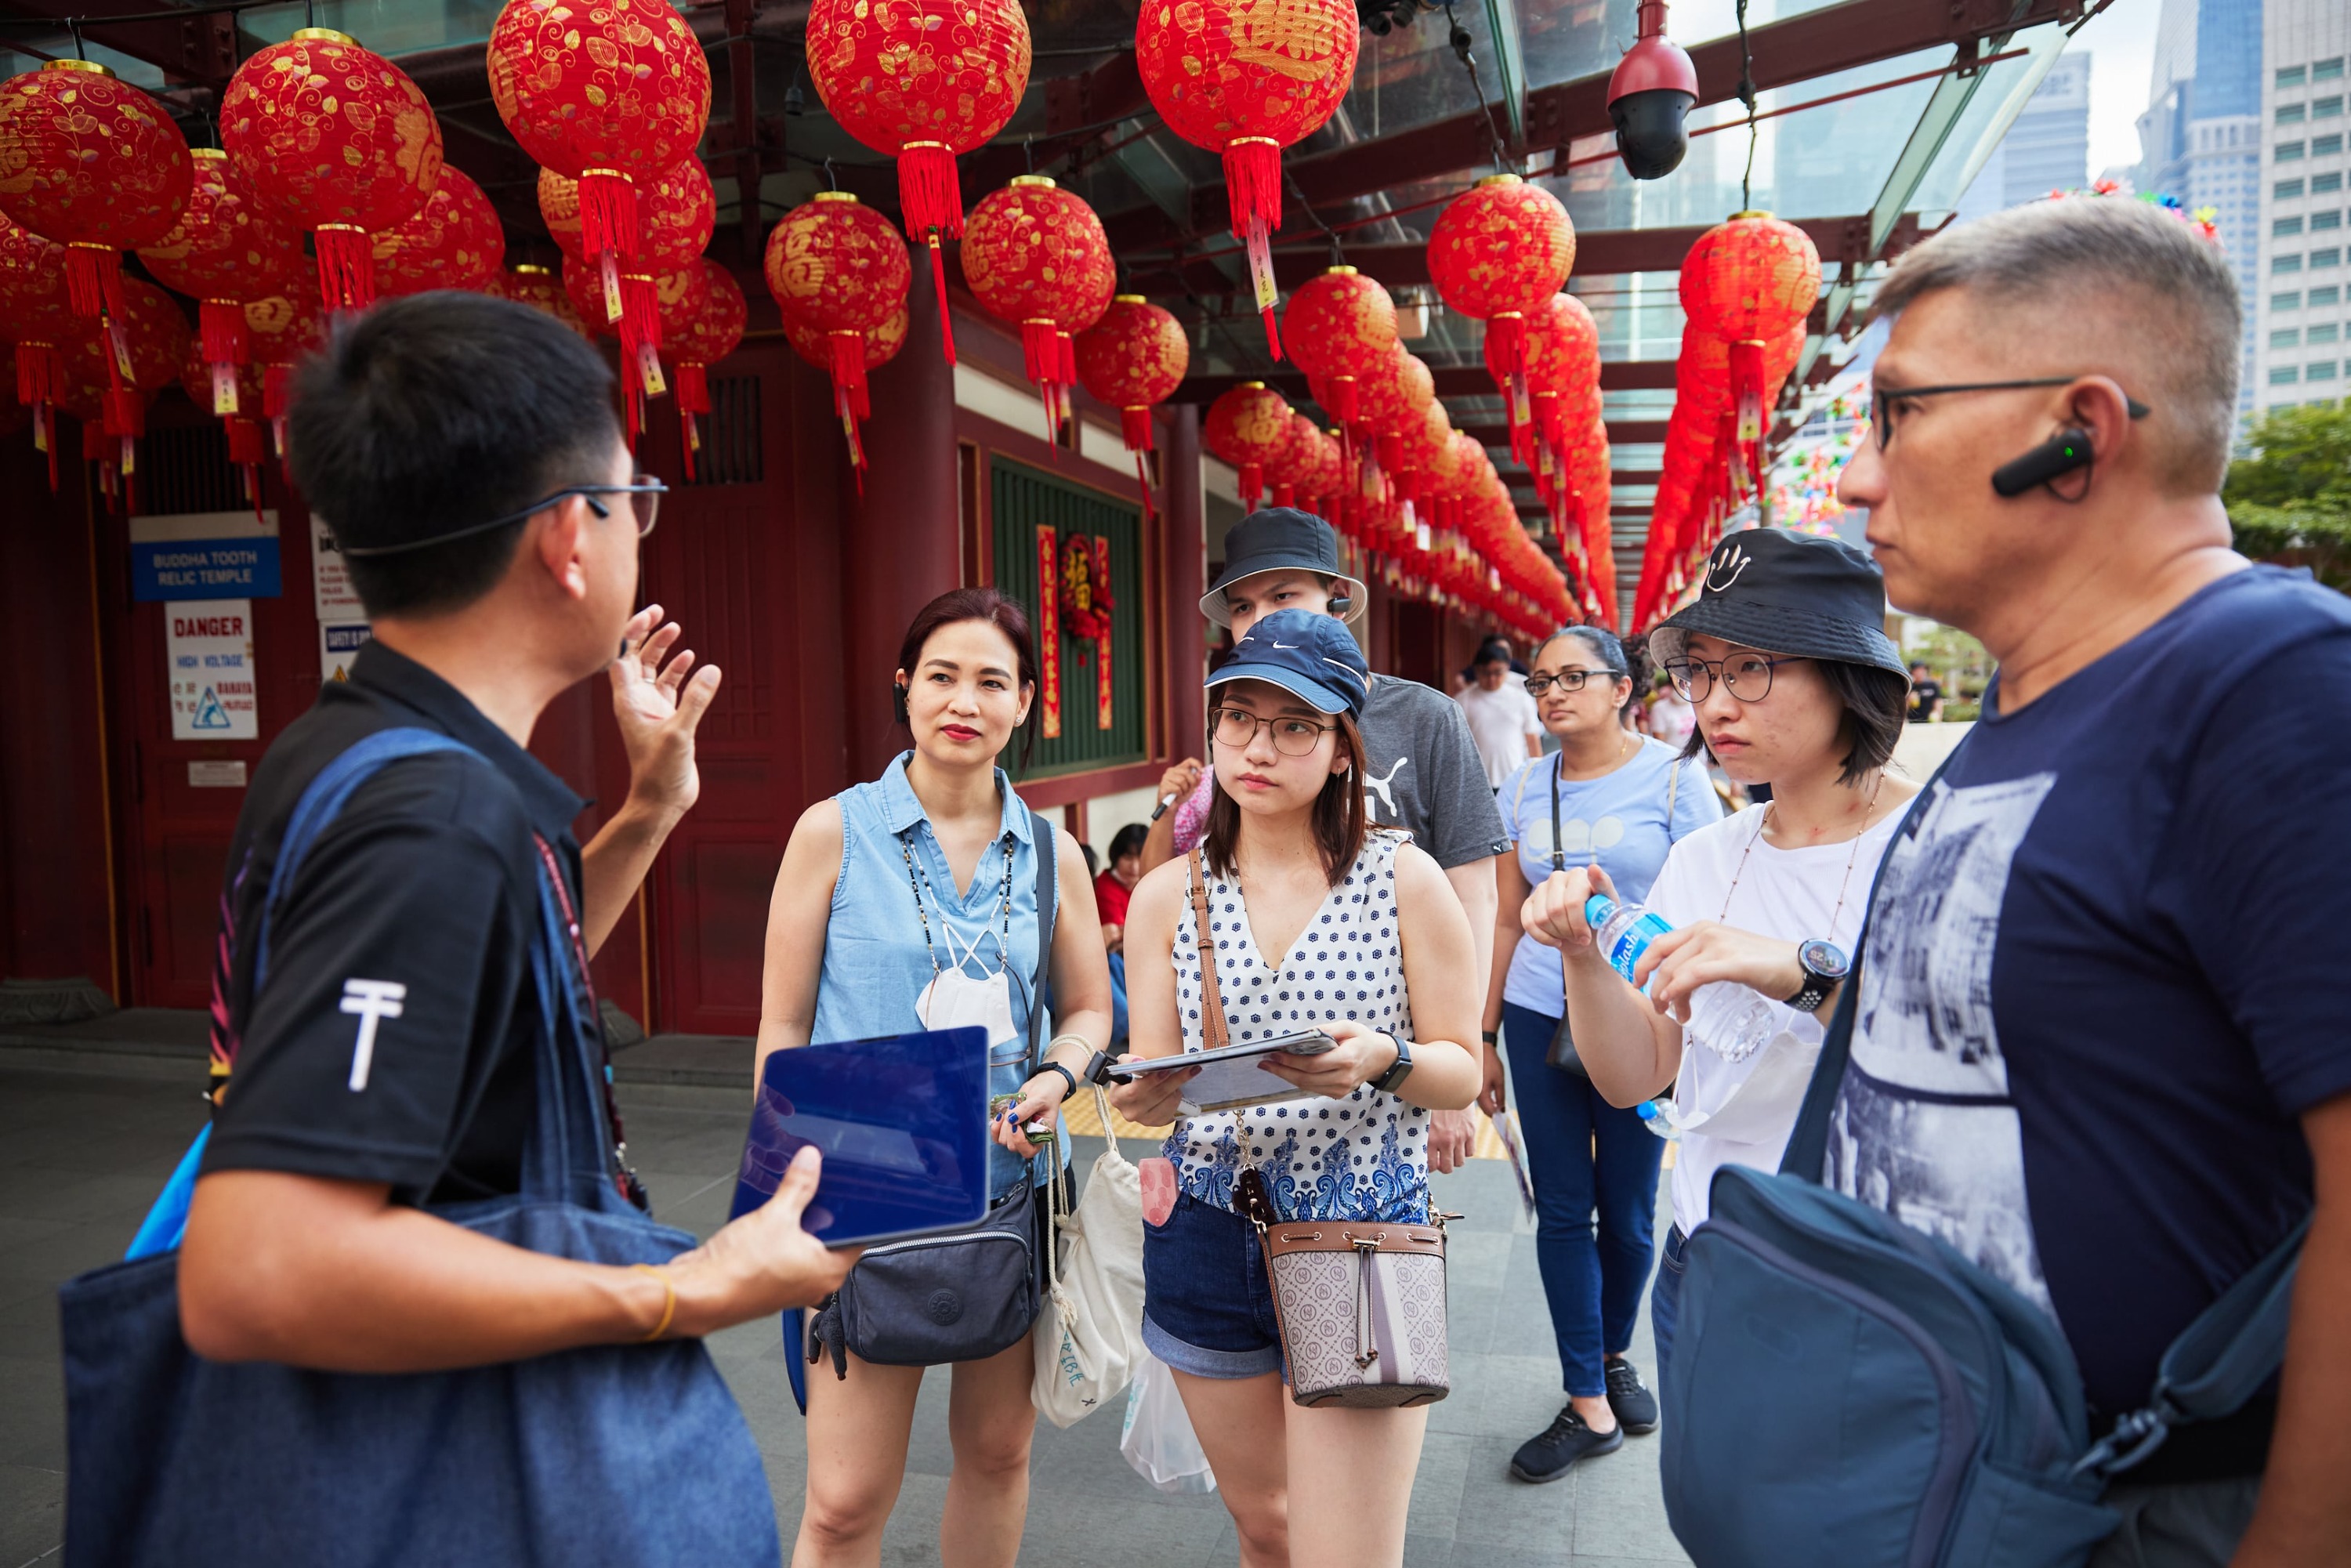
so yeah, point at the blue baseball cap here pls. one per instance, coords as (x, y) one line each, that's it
(1310, 656)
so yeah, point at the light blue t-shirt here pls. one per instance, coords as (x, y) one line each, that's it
(1616, 821)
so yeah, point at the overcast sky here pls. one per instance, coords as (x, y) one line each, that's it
(2120, 41)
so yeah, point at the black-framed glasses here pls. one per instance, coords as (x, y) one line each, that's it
(1747, 676)
(645, 495)
(1883, 399)
(1238, 727)
(1567, 680)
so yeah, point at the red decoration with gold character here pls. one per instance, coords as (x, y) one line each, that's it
(336, 139)
(1248, 427)
(224, 251)
(839, 266)
(921, 81)
(455, 241)
(1339, 323)
(1500, 251)
(1246, 79)
(1085, 593)
(677, 212)
(1035, 255)
(1132, 359)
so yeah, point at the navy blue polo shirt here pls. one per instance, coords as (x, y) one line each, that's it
(423, 892)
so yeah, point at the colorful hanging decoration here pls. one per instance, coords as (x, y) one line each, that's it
(453, 241)
(95, 164)
(1248, 427)
(838, 267)
(1246, 79)
(224, 251)
(336, 139)
(714, 331)
(1085, 597)
(662, 308)
(1747, 281)
(882, 345)
(36, 316)
(1036, 256)
(922, 81)
(283, 328)
(1132, 359)
(153, 337)
(613, 97)
(677, 212)
(527, 283)
(1499, 252)
(1337, 323)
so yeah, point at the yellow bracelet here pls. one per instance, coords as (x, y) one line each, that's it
(669, 1302)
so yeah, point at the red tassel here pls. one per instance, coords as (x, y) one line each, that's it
(346, 267)
(848, 391)
(1253, 179)
(939, 283)
(689, 440)
(1285, 494)
(44, 438)
(1135, 423)
(1506, 347)
(1747, 387)
(244, 441)
(929, 190)
(94, 278)
(1253, 485)
(277, 387)
(1143, 480)
(640, 333)
(608, 214)
(40, 373)
(1345, 404)
(693, 389)
(221, 323)
(1041, 361)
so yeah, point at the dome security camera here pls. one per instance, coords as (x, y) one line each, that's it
(1650, 97)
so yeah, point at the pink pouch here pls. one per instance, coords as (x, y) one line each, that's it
(1158, 1189)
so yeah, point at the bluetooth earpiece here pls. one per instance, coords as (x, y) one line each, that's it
(1342, 602)
(2062, 454)
(898, 703)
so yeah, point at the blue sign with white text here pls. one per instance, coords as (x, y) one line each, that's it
(203, 568)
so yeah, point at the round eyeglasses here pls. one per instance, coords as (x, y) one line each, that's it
(1747, 676)
(1566, 680)
(1238, 727)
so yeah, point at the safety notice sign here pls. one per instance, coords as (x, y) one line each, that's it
(208, 646)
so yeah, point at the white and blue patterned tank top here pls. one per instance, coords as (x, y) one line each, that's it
(1362, 1157)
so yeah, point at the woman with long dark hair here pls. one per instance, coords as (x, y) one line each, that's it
(1315, 923)
(1608, 797)
(911, 903)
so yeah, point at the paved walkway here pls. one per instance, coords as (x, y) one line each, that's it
(89, 1138)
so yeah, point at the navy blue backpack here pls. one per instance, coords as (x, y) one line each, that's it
(618, 1454)
(1845, 1389)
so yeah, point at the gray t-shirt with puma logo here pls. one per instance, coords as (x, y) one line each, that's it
(1426, 776)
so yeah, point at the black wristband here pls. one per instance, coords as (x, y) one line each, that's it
(1491, 1037)
(1067, 1076)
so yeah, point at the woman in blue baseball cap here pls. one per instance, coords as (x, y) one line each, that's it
(1316, 922)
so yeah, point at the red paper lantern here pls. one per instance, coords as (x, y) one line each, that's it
(677, 212)
(1392, 396)
(1747, 281)
(1293, 467)
(93, 163)
(612, 96)
(1246, 79)
(527, 283)
(1036, 255)
(839, 268)
(714, 331)
(1500, 251)
(453, 241)
(222, 252)
(1131, 359)
(334, 139)
(284, 327)
(1338, 323)
(153, 337)
(36, 316)
(921, 81)
(881, 346)
(1248, 427)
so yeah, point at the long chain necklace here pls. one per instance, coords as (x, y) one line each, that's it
(1003, 900)
(1764, 822)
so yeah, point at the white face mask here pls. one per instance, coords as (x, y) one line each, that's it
(956, 998)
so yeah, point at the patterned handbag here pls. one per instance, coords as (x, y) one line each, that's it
(1360, 1303)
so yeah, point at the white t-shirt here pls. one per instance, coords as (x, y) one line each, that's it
(1792, 894)
(1499, 722)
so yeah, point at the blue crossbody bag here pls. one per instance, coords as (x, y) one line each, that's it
(1845, 1389)
(607, 1455)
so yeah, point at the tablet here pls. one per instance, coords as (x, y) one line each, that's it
(902, 1123)
(1232, 1078)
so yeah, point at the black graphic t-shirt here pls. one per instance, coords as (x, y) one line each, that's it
(2106, 975)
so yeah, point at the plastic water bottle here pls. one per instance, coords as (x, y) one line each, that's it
(1734, 1021)
(1657, 1116)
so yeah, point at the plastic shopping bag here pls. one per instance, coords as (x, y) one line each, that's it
(1158, 1440)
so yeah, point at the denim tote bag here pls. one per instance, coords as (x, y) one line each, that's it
(608, 1455)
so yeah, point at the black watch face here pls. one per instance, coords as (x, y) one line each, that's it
(1823, 958)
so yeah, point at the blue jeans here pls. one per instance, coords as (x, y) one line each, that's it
(1666, 1301)
(1586, 1156)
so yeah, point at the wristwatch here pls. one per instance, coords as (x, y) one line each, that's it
(1391, 1080)
(1825, 964)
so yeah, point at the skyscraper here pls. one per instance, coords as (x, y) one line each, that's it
(2200, 137)
(2048, 147)
(2298, 316)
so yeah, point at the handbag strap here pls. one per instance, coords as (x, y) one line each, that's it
(1808, 1145)
(1214, 1032)
(1047, 887)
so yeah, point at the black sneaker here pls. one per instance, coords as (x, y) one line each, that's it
(1635, 1406)
(1553, 1452)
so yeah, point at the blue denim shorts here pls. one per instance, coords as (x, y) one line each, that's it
(1207, 1306)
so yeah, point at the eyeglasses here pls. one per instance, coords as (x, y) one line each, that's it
(1567, 680)
(1238, 727)
(1882, 400)
(644, 499)
(1747, 676)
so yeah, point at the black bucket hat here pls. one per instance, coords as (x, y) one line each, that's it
(1803, 594)
(1278, 539)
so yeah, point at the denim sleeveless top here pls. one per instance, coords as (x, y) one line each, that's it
(875, 960)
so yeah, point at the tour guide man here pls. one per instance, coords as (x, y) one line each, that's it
(464, 450)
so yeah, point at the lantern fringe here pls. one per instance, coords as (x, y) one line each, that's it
(1253, 485)
(608, 214)
(1142, 480)
(1746, 388)
(939, 286)
(849, 396)
(94, 279)
(1345, 400)
(1285, 494)
(221, 323)
(641, 334)
(1041, 355)
(929, 190)
(1134, 424)
(693, 398)
(1253, 178)
(40, 373)
(346, 267)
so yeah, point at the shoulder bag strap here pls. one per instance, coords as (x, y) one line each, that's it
(1808, 1145)
(1048, 890)
(1214, 1034)
(1673, 788)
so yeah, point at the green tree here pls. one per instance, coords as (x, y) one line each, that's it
(2289, 499)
